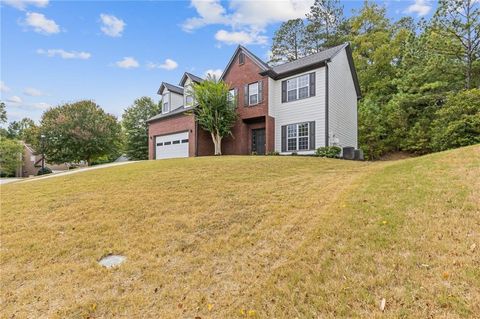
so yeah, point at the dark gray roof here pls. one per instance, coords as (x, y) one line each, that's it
(193, 77)
(170, 87)
(177, 111)
(316, 58)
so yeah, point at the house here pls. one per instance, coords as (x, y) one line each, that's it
(294, 107)
(32, 162)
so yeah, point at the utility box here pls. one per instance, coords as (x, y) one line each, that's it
(358, 155)
(348, 153)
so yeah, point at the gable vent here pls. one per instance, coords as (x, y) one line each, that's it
(241, 58)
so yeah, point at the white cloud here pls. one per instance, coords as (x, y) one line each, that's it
(127, 63)
(209, 11)
(247, 19)
(14, 99)
(217, 73)
(41, 24)
(3, 87)
(22, 4)
(420, 7)
(39, 106)
(111, 25)
(169, 64)
(33, 92)
(240, 37)
(64, 54)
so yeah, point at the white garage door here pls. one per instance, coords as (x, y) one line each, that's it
(171, 146)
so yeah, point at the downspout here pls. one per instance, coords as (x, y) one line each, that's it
(196, 137)
(326, 104)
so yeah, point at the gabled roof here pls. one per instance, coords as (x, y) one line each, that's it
(170, 87)
(177, 111)
(284, 70)
(314, 61)
(192, 77)
(262, 65)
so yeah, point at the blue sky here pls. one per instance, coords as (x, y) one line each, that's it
(115, 51)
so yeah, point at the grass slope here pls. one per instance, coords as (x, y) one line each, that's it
(247, 237)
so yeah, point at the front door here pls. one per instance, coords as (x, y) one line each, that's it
(258, 141)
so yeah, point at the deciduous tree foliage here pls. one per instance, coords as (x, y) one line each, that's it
(3, 113)
(215, 111)
(10, 156)
(79, 131)
(136, 128)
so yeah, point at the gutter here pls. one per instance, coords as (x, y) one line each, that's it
(326, 103)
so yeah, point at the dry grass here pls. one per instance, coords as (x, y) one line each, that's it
(247, 237)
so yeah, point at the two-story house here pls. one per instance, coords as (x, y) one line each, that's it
(293, 107)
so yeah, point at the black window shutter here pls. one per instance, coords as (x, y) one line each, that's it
(312, 135)
(284, 138)
(284, 91)
(260, 91)
(312, 84)
(245, 95)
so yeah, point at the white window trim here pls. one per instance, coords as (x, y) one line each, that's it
(166, 96)
(297, 89)
(297, 137)
(250, 94)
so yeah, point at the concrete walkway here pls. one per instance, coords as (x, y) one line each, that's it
(69, 172)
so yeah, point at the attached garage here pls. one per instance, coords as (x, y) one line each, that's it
(172, 145)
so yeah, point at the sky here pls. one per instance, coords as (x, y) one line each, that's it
(112, 52)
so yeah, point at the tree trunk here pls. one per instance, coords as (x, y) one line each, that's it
(217, 143)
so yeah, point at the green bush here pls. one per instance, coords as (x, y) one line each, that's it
(44, 171)
(10, 156)
(328, 151)
(457, 122)
(273, 153)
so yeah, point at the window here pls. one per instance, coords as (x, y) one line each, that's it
(298, 137)
(188, 96)
(298, 88)
(185, 141)
(166, 103)
(160, 144)
(232, 96)
(176, 142)
(241, 58)
(253, 93)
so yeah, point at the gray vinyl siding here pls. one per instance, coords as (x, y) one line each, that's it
(304, 110)
(176, 100)
(342, 120)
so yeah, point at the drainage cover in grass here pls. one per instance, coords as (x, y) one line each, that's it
(110, 261)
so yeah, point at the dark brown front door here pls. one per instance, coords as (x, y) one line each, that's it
(258, 141)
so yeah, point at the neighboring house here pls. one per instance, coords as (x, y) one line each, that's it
(32, 162)
(294, 107)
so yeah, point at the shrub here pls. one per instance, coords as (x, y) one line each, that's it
(294, 153)
(44, 171)
(10, 156)
(273, 153)
(457, 123)
(328, 151)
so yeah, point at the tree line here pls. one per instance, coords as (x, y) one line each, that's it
(419, 81)
(78, 132)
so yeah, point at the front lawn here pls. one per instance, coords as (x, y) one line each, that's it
(247, 237)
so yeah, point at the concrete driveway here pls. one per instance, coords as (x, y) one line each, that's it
(53, 175)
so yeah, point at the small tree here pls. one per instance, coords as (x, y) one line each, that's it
(3, 113)
(134, 122)
(10, 156)
(215, 112)
(80, 131)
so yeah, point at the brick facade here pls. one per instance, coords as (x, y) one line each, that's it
(249, 118)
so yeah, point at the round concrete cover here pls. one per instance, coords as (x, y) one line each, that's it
(112, 260)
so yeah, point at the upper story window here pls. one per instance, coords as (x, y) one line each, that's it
(299, 87)
(253, 93)
(232, 96)
(189, 100)
(166, 103)
(298, 137)
(241, 58)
